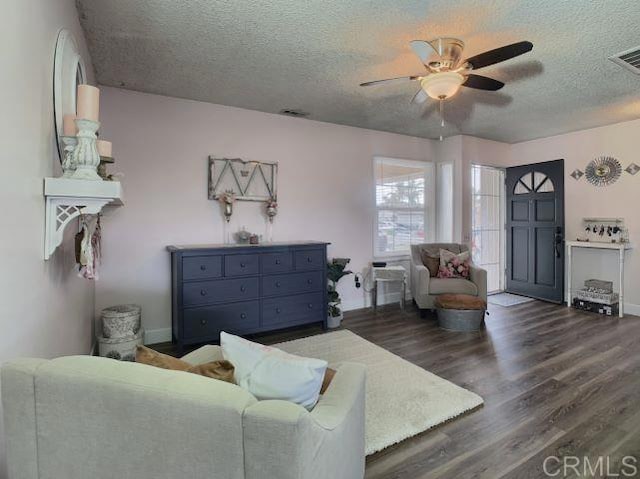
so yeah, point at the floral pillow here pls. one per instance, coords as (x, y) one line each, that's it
(454, 265)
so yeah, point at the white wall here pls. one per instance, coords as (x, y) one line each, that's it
(46, 310)
(325, 189)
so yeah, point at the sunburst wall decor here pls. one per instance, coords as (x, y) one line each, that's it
(603, 171)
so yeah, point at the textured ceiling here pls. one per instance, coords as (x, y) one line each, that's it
(311, 55)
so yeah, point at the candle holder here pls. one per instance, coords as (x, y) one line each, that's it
(68, 165)
(85, 154)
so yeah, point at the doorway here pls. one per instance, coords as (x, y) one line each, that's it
(535, 230)
(487, 224)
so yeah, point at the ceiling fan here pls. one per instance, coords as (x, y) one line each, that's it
(447, 72)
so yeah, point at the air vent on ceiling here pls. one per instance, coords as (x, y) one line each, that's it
(296, 113)
(629, 59)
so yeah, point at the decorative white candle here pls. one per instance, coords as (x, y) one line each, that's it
(88, 102)
(69, 125)
(104, 148)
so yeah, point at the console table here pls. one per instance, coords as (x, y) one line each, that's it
(620, 248)
(244, 289)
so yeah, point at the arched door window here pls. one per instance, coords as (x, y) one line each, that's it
(535, 182)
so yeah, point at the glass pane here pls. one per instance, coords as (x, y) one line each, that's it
(527, 180)
(520, 189)
(398, 229)
(538, 178)
(546, 187)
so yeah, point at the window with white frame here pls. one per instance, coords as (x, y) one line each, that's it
(487, 219)
(404, 205)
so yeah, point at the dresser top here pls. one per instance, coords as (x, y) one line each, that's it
(245, 245)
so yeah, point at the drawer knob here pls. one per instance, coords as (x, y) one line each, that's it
(203, 322)
(309, 260)
(243, 316)
(278, 311)
(277, 284)
(242, 265)
(309, 281)
(277, 261)
(310, 305)
(203, 292)
(203, 267)
(243, 288)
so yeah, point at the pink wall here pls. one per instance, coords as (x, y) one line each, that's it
(621, 199)
(325, 188)
(47, 310)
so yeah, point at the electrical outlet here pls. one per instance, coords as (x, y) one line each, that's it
(357, 280)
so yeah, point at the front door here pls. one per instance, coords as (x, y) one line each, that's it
(535, 230)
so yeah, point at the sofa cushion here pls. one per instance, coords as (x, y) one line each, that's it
(452, 285)
(269, 373)
(432, 262)
(221, 369)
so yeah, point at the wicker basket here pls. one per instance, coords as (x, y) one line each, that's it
(123, 349)
(122, 321)
(606, 286)
(597, 297)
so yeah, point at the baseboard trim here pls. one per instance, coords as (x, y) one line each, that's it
(630, 308)
(154, 336)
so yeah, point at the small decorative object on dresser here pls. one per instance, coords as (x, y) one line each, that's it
(244, 289)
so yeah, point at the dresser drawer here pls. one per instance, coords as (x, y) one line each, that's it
(241, 264)
(282, 284)
(298, 309)
(309, 259)
(204, 292)
(277, 262)
(201, 267)
(207, 321)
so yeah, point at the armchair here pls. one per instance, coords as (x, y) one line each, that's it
(425, 289)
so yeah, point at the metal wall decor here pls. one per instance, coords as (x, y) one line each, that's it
(577, 174)
(632, 169)
(603, 171)
(247, 180)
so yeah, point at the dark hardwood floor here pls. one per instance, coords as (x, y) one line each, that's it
(556, 382)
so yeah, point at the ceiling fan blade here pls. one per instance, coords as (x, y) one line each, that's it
(423, 49)
(390, 80)
(499, 54)
(482, 83)
(420, 97)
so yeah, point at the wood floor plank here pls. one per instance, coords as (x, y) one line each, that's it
(555, 381)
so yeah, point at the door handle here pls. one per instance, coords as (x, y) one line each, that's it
(557, 242)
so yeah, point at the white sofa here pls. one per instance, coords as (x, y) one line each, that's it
(81, 417)
(425, 289)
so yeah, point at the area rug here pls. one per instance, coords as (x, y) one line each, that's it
(508, 299)
(402, 399)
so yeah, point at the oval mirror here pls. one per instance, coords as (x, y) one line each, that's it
(68, 72)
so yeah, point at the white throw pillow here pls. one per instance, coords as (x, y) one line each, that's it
(269, 373)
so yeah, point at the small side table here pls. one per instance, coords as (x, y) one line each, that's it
(388, 274)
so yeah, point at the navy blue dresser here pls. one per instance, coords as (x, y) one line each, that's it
(244, 289)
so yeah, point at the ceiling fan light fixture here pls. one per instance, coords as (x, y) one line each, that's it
(443, 85)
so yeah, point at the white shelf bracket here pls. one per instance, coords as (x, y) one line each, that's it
(60, 211)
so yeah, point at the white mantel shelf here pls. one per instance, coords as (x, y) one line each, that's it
(619, 247)
(66, 199)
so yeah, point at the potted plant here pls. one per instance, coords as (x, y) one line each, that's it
(335, 272)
